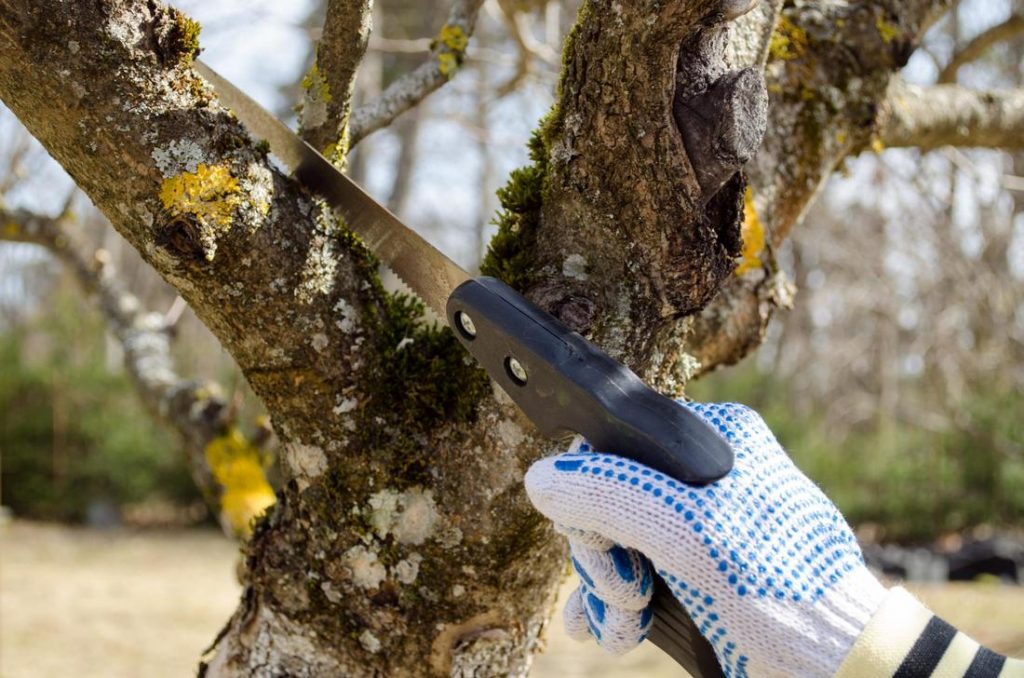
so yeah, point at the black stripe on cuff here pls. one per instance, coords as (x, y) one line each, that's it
(927, 651)
(986, 664)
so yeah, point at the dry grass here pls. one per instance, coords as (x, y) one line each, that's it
(83, 603)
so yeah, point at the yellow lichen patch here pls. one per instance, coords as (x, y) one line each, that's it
(753, 236)
(315, 83)
(788, 42)
(877, 145)
(447, 63)
(238, 467)
(453, 41)
(453, 37)
(888, 31)
(11, 228)
(210, 195)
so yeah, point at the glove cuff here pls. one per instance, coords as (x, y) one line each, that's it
(811, 639)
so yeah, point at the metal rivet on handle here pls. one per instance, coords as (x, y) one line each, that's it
(466, 324)
(515, 370)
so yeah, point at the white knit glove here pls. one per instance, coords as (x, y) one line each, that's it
(762, 561)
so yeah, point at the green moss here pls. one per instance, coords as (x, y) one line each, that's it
(551, 125)
(184, 37)
(511, 251)
(419, 373)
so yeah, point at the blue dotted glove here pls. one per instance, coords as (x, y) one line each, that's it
(761, 560)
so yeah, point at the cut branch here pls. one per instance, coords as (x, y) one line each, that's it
(446, 55)
(328, 85)
(194, 409)
(951, 115)
(980, 44)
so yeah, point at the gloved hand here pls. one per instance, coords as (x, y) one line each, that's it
(761, 560)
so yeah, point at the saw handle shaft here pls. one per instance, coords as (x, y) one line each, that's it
(565, 384)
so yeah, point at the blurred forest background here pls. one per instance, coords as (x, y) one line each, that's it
(896, 382)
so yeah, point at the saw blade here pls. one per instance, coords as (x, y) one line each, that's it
(427, 272)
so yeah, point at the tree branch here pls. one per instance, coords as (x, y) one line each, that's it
(215, 450)
(528, 49)
(951, 115)
(828, 72)
(447, 53)
(328, 84)
(980, 44)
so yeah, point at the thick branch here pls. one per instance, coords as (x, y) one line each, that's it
(328, 100)
(196, 410)
(951, 115)
(829, 68)
(980, 44)
(446, 55)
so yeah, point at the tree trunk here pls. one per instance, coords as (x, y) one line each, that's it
(402, 543)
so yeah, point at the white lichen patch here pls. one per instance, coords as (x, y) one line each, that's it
(383, 509)
(332, 594)
(510, 433)
(417, 521)
(407, 569)
(317, 278)
(344, 405)
(349, 316)
(369, 642)
(319, 342)
(181, 155)
(125, 25)
(305, 462)
(575, 266)
(458, 591)
(366, 570)
(258, 185)
(410, 516)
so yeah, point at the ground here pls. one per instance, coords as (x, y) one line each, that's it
(126, 603)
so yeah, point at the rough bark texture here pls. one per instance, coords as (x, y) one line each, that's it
(328, 84)
(614, 231)
(402, 543)
(829, 70)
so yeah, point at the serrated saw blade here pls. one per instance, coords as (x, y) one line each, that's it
(427, 272)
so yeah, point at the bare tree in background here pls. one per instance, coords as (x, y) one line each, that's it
(402, 543)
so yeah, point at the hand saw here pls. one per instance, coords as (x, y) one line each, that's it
(561, 381)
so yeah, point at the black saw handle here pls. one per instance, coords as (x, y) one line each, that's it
(564, 383)
(567, 384)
